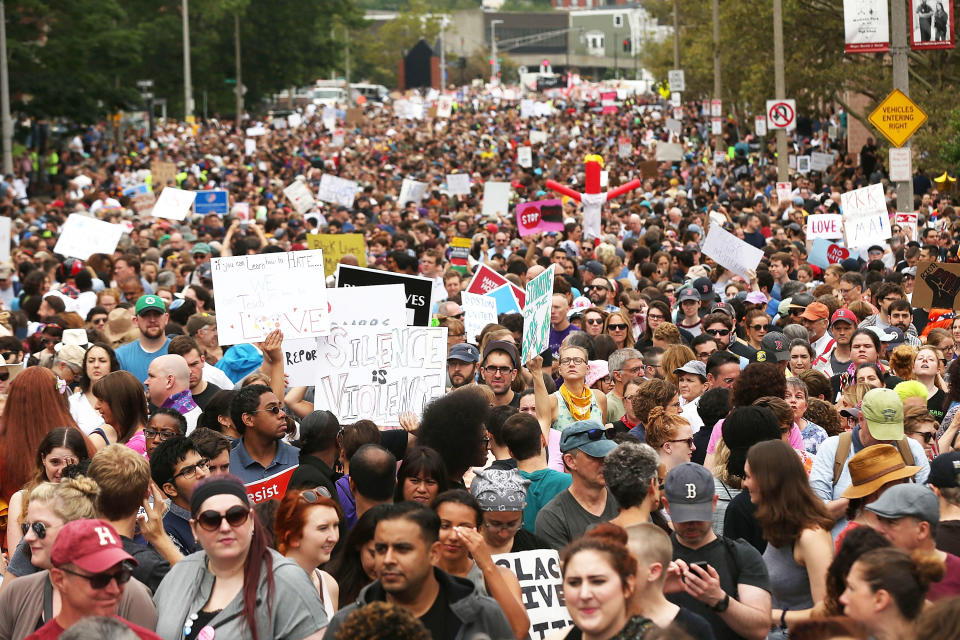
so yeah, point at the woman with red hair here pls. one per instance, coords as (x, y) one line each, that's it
(307, 527)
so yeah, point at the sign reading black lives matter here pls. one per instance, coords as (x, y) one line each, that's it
(541, 589)
(937, 286)
(418, 289)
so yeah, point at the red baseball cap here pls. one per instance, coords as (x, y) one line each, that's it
(845, 315)
(92, 545)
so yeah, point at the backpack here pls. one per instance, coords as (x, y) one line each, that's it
(843, 450)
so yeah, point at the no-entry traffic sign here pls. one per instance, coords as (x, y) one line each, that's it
(782, 114)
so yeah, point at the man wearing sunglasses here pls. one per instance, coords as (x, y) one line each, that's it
(259, 417)
(90, 571)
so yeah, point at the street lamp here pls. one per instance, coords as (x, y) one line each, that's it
(494, 64)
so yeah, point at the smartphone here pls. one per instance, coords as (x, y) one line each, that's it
(702, 564)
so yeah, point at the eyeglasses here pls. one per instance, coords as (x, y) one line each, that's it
(235, 516)
(159, 435)
(275, 410)
(689, 441)
(313, 496)
(759, 327)
(719, 332)
(503, 526)
(101, 580)
(492, 370)
(38, 528)
(654, 316)
(190, 471)
(668, 290)
(594, 320)
(576, 361)
(926, 435)
(617, 327)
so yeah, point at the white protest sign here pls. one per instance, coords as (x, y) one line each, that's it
(908, 223)
(379, 373)
(527, 108)
(669, 152)
(542, 109)
(349, 306)
(824, 225)
(803, 164)
(5, 239)
(279, 123)
(624, 149)
(784, 189)
(249, 146)
(174, 204)
(478, 312)
(901, 169)
(541, 584)
(458, 184)
(300, 196)
(820, 161)
(865, 218)
(496, 199)
(258, 130)
(536, 315)
(524, 157)
(538, 137)
(337, 190)
(82, 236)
(294, 120)
(411, 191)
(256, 294)
(730, 251)
(673, 126)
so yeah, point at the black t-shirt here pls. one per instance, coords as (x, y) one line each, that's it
(394, 441)
(504, 465)
(151, 567)
(440, 620)
(694, 624)
(935, 405)
(948, 536)
(524, 540)
(207, 394)
(740, 521)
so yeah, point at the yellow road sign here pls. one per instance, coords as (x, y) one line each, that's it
(897, 117)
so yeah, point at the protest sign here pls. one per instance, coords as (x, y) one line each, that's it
(730, 251)
(649, 168)
(215, 201)
(524, 157)
(444, 106)
(527, 108)
(249, 146)
(458, 184)
(538, 137)
(271, 488)
(82, 236)
(820, 161)
(279, 123)
(937, 286)
(539, 216)
(824, 252)
(669, 152)
(485, 280)
(506, 299)
(294, 120)
(161, 173)
(4, 239)
(411, 191)
(824, 225)
(784, 189)
(865, 218)
(519, 294)
(173, 204)
(299, 361)
(536, 315)
(460, 254)
(300, 196)
(143, 199)
(378, 373)
(624, 149)
(354, 115)
(337, 245)
(478, 312)
(337, 190)
(907, 222)
(418, 290)
(496, 199)
(673, 126)
(256, 130)
(803, 164)
(256, 294)
(541, 588)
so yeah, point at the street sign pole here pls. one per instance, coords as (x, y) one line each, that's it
(901, 81)
(783, 172)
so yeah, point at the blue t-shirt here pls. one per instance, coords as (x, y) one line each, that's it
(134, 359)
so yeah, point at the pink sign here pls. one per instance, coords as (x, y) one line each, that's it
(539, 216)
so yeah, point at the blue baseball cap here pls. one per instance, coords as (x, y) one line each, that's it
(587, 436)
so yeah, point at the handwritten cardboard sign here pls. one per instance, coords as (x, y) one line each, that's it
(161, 173)
(174, 204)
(271, 488)
(256, 294)
(539, 216)
(337, 190)
(458, 184)
(937, 286)
(825, 225)
(536, 315)
(669, 152)
(865, 218)
(496, 200)
(411, 191)
(378, 374)
(419, 290)
(337, 245)
(541, 588)
(82, 236)
(730, 251)
(300, 196)
(478, 312)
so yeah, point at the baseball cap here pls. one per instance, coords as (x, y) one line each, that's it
(201, 247)
(898, 337)
(910, 271)
(500, 345)
(690, 490)
(593, 267)
(755, 297)
(844, 315)
(776, 343)
(688, 293)
(150, 302)
(92, 545)
(587, 436)
(464, 353)
(945, 470)
(883, 411)
(695, 367)
(801, 300)
(762, 355)
(885, 336)
(722, 307)
(704, 287)
(816, 311)
(902, 500)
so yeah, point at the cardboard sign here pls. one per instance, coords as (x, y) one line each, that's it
(478, 312)
(458, 184)
(485, 280)
(161, 173)
(536, 315)
(82, 236)
(411, 191)
(506, 300)
(540, 216)
(174, 203)
(730, 251)
(354, 115)
(300, 196)
(649, 168)
(865, 218)
(824, 252)
(538, 137)
(541, 586)
(271, 488)
(337, 190)
(256, 294)
(907, 222)
(215, 201)
(419, 290)
(669, 152)
(337, 245)
(784, 189)
(524, 157)
(937, 286)
(378, 374)
(825, 225)
(496, 200)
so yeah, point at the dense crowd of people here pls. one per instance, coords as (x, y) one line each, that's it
(708, 455)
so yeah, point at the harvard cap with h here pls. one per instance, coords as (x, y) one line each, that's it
(690, 490)
(92, 545)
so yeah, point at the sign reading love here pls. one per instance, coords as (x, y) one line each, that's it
(836, 254)
(541, 215)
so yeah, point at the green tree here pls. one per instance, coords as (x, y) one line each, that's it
(394, 39)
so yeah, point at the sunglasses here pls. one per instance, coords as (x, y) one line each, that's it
(101, 580)
(926, 435)
(689, 441)
(759, 327)
(38, 528)
(312, 496)
(275, 410)
(235, 516)
(632, 310)
(458, 316)
(617, 327)
(593, 287)
(599, 434)
(594, 321)
(719, 332)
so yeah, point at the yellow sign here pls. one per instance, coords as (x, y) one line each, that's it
(337, 245)
(897, 117)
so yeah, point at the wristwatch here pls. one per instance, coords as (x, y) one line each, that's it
(721, 606)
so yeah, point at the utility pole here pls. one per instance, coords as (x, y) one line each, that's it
(780, 88)
(901, 80)
(443, 54)
(346, 62)
(717, 85)
(239, 87)
(7, 123)
(187, 80)
(494, 65)
(676, 35)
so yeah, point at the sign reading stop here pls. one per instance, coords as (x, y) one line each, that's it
(782, 114)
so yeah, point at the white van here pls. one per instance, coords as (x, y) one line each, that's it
(372, 92)
(328, 96)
